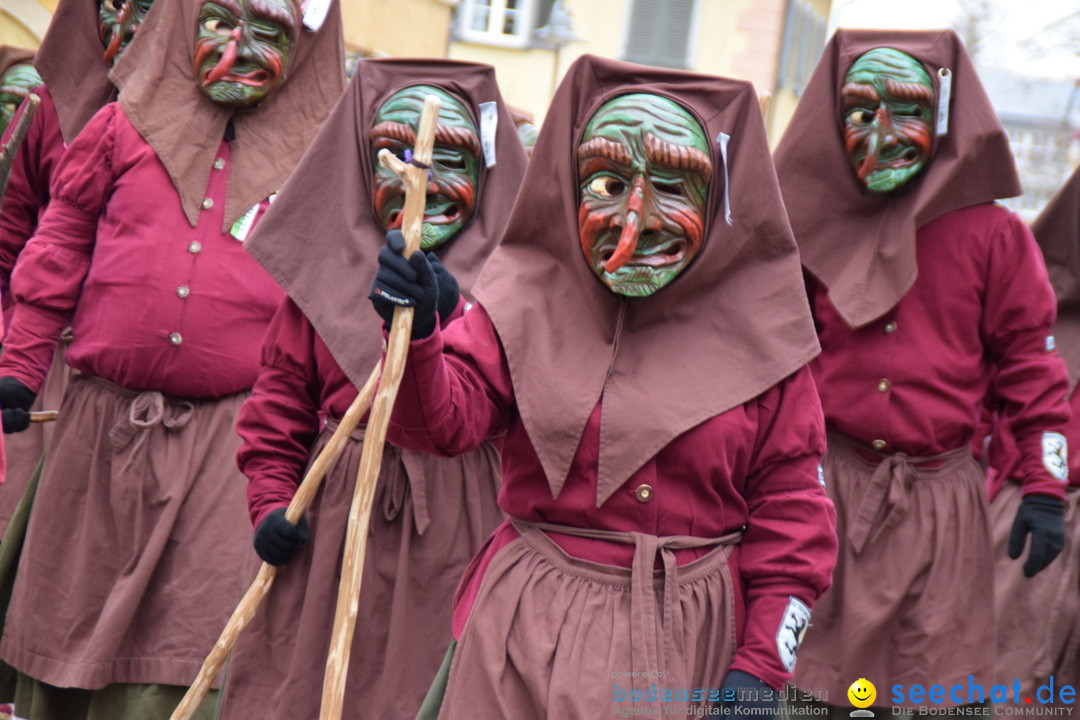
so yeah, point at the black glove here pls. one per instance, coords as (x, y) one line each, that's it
(277, 539)
(449, 292)
(405, 283)
(16, 400)
(748, 698)
(1044, 518)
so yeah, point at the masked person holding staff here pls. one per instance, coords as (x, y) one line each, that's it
(638, 354)
(430, 514)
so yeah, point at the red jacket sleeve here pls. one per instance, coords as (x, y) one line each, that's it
(27, 191)
(788, 553)
(449, 403)
(1031, 383)
(53, 265)
(279, 422)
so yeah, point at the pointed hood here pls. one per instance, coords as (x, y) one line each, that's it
(861, 245)
(321, 237)
(160, 96)
(71, 61)
(732, 325)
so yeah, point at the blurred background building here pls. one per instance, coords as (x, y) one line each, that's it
(774, 44)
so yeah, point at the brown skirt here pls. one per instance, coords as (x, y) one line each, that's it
(429, 516)
(551, 636)
(910, 605)
(138, 545)
(1038, 628)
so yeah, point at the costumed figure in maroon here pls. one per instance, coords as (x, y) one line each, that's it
(137, 548)
(430, 514)
(638, 354)
(923, 291)
(1038, 633)
(84, 40)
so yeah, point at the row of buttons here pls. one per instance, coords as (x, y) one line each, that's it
(194, 247)
(884, 386)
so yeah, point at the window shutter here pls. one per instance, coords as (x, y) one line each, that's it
(659, 32)
(543, 13)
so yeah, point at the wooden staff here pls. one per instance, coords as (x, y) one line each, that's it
(43, 416)
(261, 585)
(7, 152)
(414, 176)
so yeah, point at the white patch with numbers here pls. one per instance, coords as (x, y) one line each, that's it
(1051, 345)
(821, 476)
(791, 631)
(1056, 455)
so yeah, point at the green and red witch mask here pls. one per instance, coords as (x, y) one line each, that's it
(888, 102)
(242, 48)
(455, 173)
(118, 20)
(15, 85)
(643, 173)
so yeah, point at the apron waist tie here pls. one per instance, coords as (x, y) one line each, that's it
(648, 649)
(885, 497)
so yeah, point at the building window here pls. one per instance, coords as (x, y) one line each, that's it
(659, 32)
(804, 39)
(496, 22)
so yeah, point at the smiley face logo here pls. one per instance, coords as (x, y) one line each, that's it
(862, 693)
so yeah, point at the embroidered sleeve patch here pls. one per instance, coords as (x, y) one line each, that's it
(791, 631)
(1056, 455)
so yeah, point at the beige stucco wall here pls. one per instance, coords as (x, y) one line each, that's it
(397, 27)
(24, 22)
(733, 38)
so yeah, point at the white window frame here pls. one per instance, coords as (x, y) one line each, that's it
(468, 10)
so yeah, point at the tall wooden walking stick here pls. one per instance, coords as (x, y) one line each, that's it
(261, 585)
(414, 176)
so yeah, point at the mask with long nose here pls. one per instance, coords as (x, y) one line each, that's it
(242, 48)
(643, 173)
(888, 101)
(455, 170)
(118, 21)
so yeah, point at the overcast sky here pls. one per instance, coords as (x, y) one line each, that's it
(1031, 37)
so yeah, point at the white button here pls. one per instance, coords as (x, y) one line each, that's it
(884, 385)
(890, 327)
(219, 163)
(207, 203)
(183, 291)
(643, 493)
(175, 339)
(879, 444)
(194, 247)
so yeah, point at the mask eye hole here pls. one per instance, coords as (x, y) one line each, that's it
(607, 186)
(861, 116)
(217, 26)
(674, 189)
